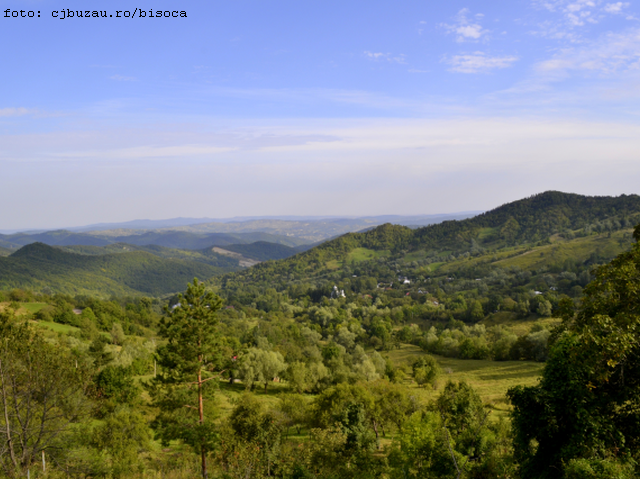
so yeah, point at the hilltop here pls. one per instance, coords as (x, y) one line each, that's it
(568, 221)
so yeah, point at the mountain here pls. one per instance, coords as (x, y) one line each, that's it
(168, 239)
(206, 256)
(553, 221)
(42, 267)
(52, 238)
(258, 251)
(194, 241)
(318, 230)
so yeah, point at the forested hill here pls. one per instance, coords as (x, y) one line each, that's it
(167, 239)
(538, 219)
(41, 267)
(529, 220)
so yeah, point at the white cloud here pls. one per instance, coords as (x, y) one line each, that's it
(122, 78)
(616, 8)
(375, 56)
(385, 56)
(478, 62)
(466, 27)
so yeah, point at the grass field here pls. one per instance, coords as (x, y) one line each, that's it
(491, 379)
(560, 249)
(516, 325)
(25, 308)
(365, 254)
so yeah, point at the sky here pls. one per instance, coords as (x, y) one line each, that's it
(250, 108)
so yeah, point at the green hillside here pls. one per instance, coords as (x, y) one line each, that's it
(38, 266)
(543, 231)
(206, 256)
(386, 330)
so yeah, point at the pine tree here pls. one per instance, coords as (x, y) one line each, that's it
(189, 364)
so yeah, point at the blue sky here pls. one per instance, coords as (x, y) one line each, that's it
(302, 108)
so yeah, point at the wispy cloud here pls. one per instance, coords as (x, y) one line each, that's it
(611, 53)
(572, 15)
(122, 78)
(379, 56)
(616, 8)
(466, 27)
(4, 112)
(478, 62)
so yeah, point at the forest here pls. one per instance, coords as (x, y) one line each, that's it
(501, 352)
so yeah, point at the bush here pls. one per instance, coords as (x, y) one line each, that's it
(597, 469)
(426, 370)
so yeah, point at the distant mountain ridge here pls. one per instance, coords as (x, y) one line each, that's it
(313, 228)
(168, 239)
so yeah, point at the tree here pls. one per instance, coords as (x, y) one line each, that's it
(587, 404)
(120, 438)
(426, 370)
(259, 365)
(190, 358)
(42, 394)
(251, 423)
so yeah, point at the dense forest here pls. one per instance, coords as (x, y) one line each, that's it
(460, 350)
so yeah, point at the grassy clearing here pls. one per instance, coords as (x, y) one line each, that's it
(491, 379)
(518, 326)
(334, 264)
(431, 268)
(561, 250)
(365, 254)
(25, 308)
(33, 307)
(486, 232)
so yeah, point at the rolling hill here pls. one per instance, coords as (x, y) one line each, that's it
(167, 239)
(41, 267)
(552, 218)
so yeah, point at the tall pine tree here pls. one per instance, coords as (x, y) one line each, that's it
(189, 364)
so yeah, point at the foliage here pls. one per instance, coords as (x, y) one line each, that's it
(586, 405)
(261, 366)
(38, 266)
(426, 370)
(42, 395)
(188, 362)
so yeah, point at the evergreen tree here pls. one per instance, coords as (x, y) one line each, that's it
(188, 364)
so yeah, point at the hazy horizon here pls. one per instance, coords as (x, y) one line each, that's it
(238, 219)
(315, 108)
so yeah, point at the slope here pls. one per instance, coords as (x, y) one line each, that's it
(262, 250)
(38, 266)
(521, 224)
